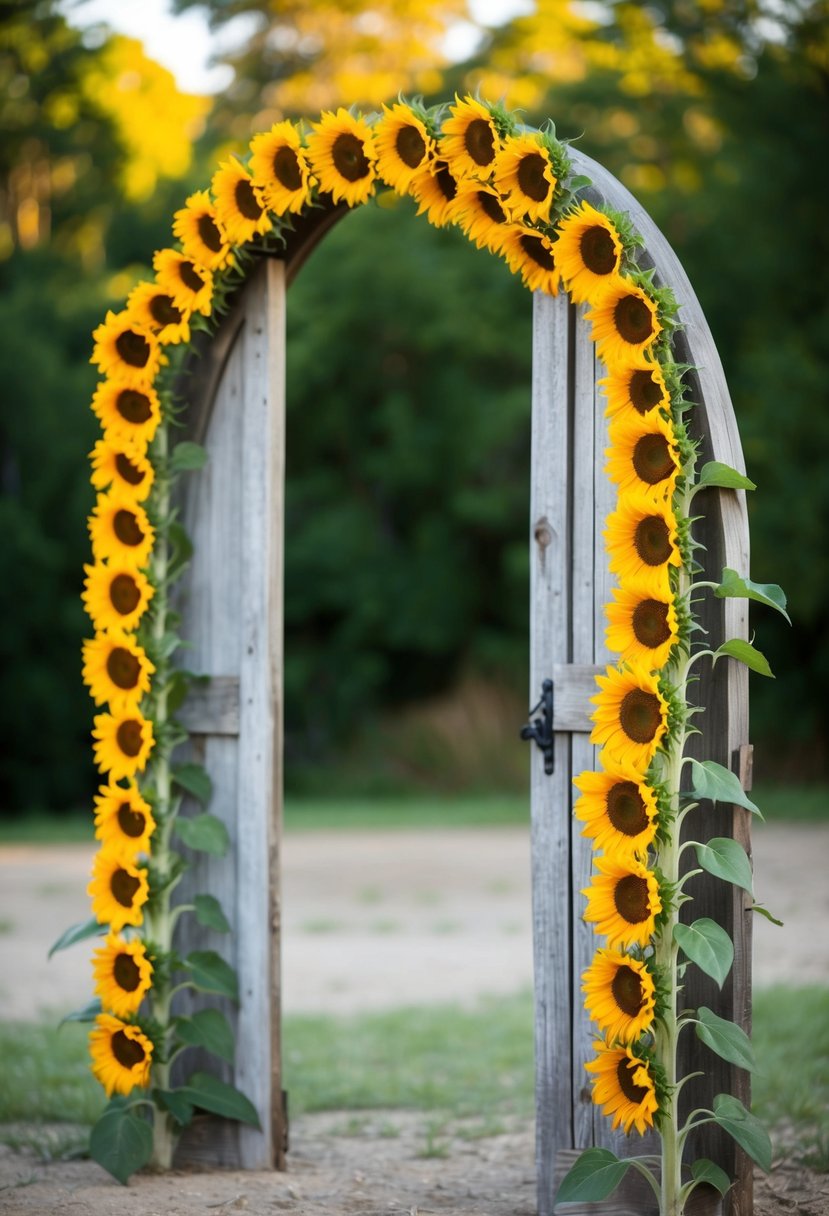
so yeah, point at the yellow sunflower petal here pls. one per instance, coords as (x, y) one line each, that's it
(122, 743)
(624, 321)
(240, 205)
(631, 715)
(643, 454)
(434, 189)
(523, 171)
(120, 530)
(642, 543)
(156, 309)
(642, 629)
(478, 210)
(123, 975)
(115, 596)
(404, 146)
(343, 157)
(530, 254)
(623, 1087)
(588, 253)
(617, 807)
(116, 670)
(118, 890)
(189, 285)
(128, 415)
(127, 351)
(124, 821)
(121, 1055)
(623, 901)
(637, 385)
(470, 140)
(202, 235)
(279, 167)
(121, 465)
(620, 995)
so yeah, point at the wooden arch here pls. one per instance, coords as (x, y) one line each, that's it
(231, 600)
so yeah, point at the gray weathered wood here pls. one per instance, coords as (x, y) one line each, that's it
(212, 708)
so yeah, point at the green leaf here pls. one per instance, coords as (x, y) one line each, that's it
(209, 913)
(194, 779)
(208, 1028)
(210, 973)
(708, 945)
(78, 933)
(726, 858)
(209, 1093)
(178, 1106)
(734, 586)
(727, 1040)
(712, 780)
(715, 473)
(593, 1177)
(121, 1142)
(747, 1130)
(580, 181)
(204, 833)
(765, 912)
(187, 456)
(704, 1170)
(87, 1014)
(178, 686)
(736, 648)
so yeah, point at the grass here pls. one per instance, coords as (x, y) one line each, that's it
(470, 1072)
(779, 804)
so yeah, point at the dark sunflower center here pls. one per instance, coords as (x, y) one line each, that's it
(531, 177)
(124, 594)
(410, 146)
(164, 311)
(633, 1093)
(633, 320)
(535, 248)
(133, 406)
(123, 886)
(126, 528)
(626, 987)
(127, 470)
(446, 182)
(132, 823)
(246, 200)
(653, 459)
(190, 277)
(126, 973)
(349, 157)
(127, 1052)
(133, 348)
(640, 715)
(650, 623)
(597, 250)
(626, 808)
(645, 391)
(652, 540)
(129, 738)
(491, 208)
(209, 234)
(479, 140)
(123, 668)
(631, 899)
(286, 168)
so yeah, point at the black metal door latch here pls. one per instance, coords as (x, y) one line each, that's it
(541, 729)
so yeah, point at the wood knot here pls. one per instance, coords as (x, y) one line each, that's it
(543, 533)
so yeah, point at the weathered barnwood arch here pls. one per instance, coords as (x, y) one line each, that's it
(231, 602)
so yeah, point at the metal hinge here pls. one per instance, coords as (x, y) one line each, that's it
(541, 729)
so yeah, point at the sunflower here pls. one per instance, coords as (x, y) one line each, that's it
(240, 205)
(155, 308)
(470, 140)
(641, 540)
(115, 596)
(201, 232)
(623, 1087)
(524, 172)
(123, 742)
(643, 454)
(638, 385)
(279, 167)
(343, 156)
(123, 820)
(618, 809)
(118, 890)
(479, 211)
(620, 995)
(190, 286)
(625, 321)
(631, 715)
(116, 670)
(128, 415)
(530, 254)
(642, 629)
(404, 145)
(123, 974)
(120, 530)
(127, 350)
(120, 465)
(588, 252)
(121, 1055)
(434, 189)
(623, 901)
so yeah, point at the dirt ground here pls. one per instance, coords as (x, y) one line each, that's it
(375, 921)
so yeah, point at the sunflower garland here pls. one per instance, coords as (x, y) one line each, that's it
(509, 189)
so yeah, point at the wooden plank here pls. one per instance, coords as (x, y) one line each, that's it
(573, 686)
(212, 708)
(549, 633)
